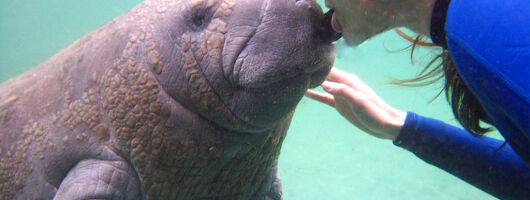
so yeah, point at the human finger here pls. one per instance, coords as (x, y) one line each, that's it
(336, 88)
(321, 97)
(378, 118)
(349, 79)
(350, 104)
(337, 75)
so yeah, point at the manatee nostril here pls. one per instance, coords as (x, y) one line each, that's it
(326, 32)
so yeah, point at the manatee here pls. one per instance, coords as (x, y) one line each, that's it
(176, 99)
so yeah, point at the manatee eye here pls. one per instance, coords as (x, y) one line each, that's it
(198, 18)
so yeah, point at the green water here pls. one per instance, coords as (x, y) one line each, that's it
(323, 156)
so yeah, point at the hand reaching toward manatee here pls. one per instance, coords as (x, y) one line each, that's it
(360, 105)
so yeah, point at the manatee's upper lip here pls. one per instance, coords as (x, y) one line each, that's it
(233, 59)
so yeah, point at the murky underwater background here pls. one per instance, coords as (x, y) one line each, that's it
(323, 156)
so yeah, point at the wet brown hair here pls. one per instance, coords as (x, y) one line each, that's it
(466, 108)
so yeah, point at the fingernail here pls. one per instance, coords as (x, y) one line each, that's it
(326, 85)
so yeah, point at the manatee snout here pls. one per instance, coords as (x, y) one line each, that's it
(289, 51)
(292, 40)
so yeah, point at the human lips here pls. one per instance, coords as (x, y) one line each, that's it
(335, 25)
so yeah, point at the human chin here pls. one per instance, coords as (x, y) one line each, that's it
(353, 39)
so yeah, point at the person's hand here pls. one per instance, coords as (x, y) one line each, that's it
(360, 105)
(359, 20)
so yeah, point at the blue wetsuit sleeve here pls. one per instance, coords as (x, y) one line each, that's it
(473, 159)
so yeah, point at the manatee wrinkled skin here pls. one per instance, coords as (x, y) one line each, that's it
(186, 99)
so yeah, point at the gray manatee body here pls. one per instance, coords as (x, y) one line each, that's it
(173, 100)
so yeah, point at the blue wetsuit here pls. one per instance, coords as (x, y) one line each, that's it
(489, 41)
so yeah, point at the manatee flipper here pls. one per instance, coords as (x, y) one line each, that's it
(271, 188)
(100, 179)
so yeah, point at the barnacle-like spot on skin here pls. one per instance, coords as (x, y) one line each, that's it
(95, 76)
(132, 38)
(67, 97)
(81, 137)
(162, 8)
(202, 95)
(153, 58)
(66, 139)
(186, 42)
(15, 166)
(225, 9)
(211, 3)
(101, 131)
(214, 44)
(196, 3)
